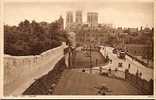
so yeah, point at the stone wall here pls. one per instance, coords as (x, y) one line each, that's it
(45, 85)
(146, 87)
(20, 71)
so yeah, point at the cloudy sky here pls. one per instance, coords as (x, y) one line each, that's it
(134, 13)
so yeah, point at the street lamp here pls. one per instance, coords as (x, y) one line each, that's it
(90, 60)
(70, 51)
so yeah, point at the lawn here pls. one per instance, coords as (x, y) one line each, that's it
(82, 59)
(80, 83)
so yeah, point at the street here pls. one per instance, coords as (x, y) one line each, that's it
(147, 73)
(81, 60)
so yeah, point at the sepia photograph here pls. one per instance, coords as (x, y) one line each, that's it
(78, 47)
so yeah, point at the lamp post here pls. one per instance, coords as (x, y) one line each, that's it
(90, 60)
(70, 51)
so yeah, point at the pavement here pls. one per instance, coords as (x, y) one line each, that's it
(80, 83)
(147, 73)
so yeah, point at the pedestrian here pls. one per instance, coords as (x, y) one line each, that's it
(140, 74)
(110, 60)
(116, 69)
(109, 70)
(96, 62)
(100, 70)
(137, 73)
(129, 65)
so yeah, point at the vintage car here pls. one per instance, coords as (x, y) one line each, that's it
(120, 64)
(115, 51)
(121, 54)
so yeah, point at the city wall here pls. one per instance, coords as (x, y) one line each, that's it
(146, 87)
(21, 71)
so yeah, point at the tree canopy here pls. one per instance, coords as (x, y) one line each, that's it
(32, 38)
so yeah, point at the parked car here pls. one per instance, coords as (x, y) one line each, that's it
(119, 64)
(115, 51)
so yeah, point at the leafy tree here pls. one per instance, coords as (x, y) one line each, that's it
(31, 38)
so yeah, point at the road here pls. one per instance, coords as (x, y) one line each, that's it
(147, 73)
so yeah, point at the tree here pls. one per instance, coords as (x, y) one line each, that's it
(32, 38)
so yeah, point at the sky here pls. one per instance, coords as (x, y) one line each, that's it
(134, 13)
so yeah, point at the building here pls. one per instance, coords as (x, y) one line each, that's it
(144, 50)
(72, 39)
(69, 19)
(91, 37)
(147, 30)
(92, 19)
(45, 26)
(78, 17)
(61, 23)
(90, 33)
(132, 30)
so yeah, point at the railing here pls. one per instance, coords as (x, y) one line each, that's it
(105, 72)
(146, 87)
